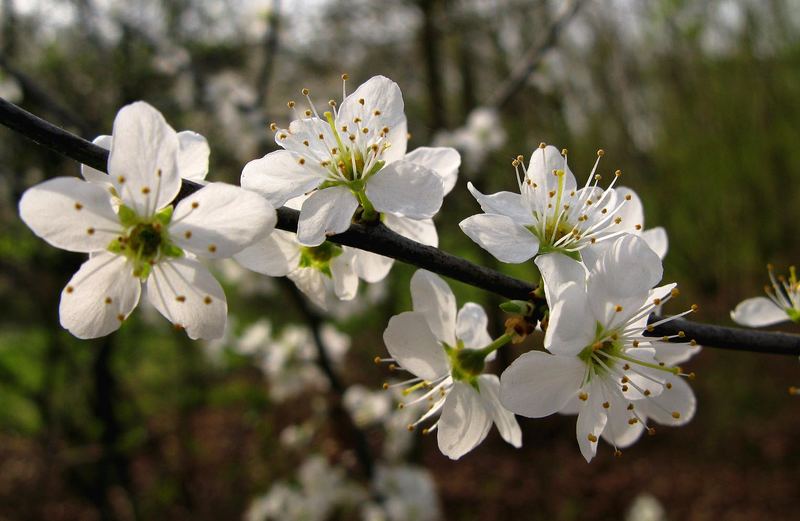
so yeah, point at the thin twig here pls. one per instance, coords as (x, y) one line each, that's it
(315, 321)
(521, 73)
(381, 240)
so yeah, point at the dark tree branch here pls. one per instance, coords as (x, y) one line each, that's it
(381, 240)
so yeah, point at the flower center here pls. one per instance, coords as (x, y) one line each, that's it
(144, 242)
(320, 257)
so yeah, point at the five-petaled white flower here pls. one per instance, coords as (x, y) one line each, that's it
(783, 303)
(353, 161)
(551, 214)
(601, 365)
(445, 353)
(313, 269)
(134, 235)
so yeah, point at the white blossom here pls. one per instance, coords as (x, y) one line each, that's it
(136, 237)
(443, 350)
(600, 363)
(782, 302)
(315, 270)
(551, 214)
(354, 164)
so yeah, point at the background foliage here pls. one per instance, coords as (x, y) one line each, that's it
(698, 103)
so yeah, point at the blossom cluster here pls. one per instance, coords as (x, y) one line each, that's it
(599, 268)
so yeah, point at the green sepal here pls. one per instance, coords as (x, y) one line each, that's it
(114, 247)
(794, 314)
(142, 270)
(517, 307)
(127, 217)
(165, 215)
(374, 170)
(170, 250)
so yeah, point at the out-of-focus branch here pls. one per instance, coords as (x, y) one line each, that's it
(381, 240)
(339, 414)
(270, 52)
(431, 53)
(527, 65)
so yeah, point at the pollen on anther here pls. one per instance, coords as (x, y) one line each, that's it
(668, 385)
(695, 307)
(90, 231)
(377, 113)
(121, 179)
(273, 127)
(606, 405)
(145, 190)
(188, 234)
(618, 308)
(361, 101)
(410, 427)
(290, 104)
(675, 292)
(542, 145)
(195, 204)
(121, 317)
(212, 248)
(108, 300)
(618, 220)
(207, 300)
(69, 289)
(301, 161)
(180, 298)
(651, 431)
(676, 414)
(583, 396)
(591, 437)
(638, 226)
(647, 392)
(601, 153)
(78, 206)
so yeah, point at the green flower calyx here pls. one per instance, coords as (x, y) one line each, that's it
(320, 257)
(144, 241)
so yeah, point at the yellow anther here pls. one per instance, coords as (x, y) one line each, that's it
(377, 360)
(207, 300)
(305, 92)
(308, 113)
(624, 380)
(542, 145)
(583, 396)
(78, 206)
(273, 127)
(627, 197)
(632, 421)
(601, 153)
(618, 220)
(385, 386)
(695, 307)
(630, 406)
(564, 151)
(668, 385)
(606, 405)
(361, 101)
(618, 308)
(290, 104)
(651, 431)
(676, 414)
(597, 346)
(345, 77)
(301, 161)
(618, 173)
(638, 226)
(410, 427)
(675, 292)
(647, 392)
(591, 437)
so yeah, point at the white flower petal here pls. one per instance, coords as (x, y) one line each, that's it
(758, 312)
(557, 271)
(312, 283)
(93, 175)
(220, 220)
(382, 95)
(442, 160)
(679, 398)
(675, 353)
(625, 274)
(99, 296)
(472, 326)
(631, 213)
(540, 170)
(504, 203)
(279, 176)
(489, 386)
(420, 230)
(464, 422)
(657, 239)
(539, 384)
(433, 298)
(275, 255)
(619, 431)
(70, 214)
(406, 189)
(326, 212)
(345, 279)
(502, 237)
(143, 162)
(411, 343)
(591, 421)
(372, 267)
(185, 292)
(571, 326)
(193, 152)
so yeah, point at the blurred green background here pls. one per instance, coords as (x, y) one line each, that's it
(698, 103)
